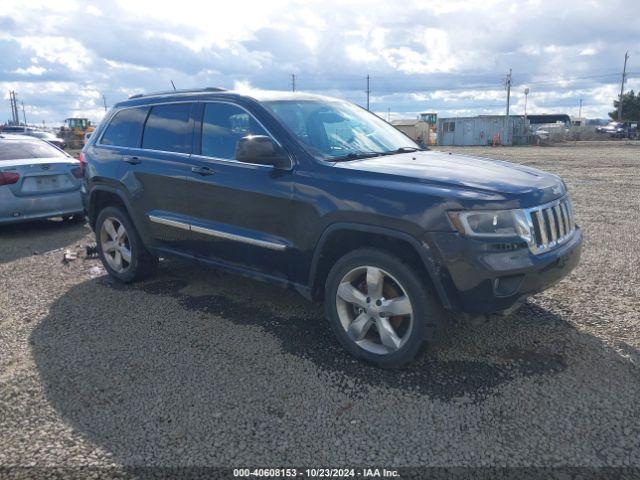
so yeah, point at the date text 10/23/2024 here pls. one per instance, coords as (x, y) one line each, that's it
(316, 472)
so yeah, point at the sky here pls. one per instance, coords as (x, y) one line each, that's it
(67, 58)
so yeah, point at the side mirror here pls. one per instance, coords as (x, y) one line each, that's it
(262, 150)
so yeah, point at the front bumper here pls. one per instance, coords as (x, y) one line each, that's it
(478, 277)
(19, 209)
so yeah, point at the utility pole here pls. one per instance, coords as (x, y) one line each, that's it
(11, 105)
(368, 91)
(14, 108)
(293, 82)
(507, 85)
(24, 115)
(15, 105)
(104, 101)
(624, 74)
(580, 112)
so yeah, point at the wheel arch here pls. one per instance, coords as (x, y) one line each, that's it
(102, 196)
(340, 238)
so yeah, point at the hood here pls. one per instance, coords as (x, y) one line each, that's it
(463, 172)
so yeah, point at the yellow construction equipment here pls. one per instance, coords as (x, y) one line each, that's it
(73, 131)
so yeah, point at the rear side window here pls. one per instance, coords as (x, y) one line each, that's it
(13, 129)
(168, 128)
(20, 150)
(125, 128)
(223, 125)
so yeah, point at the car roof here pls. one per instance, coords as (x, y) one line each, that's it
(220, 94)
(15, 136)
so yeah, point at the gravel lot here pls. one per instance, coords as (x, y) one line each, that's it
(201, 368)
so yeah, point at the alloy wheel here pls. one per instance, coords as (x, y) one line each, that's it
(114, 241)
(374, 310)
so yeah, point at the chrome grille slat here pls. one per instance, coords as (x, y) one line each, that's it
(561, 223)
(543, 227)
(552, 224)
(565, 212)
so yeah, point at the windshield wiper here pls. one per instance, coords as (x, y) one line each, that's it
(402, 150)
(354, 156)
(358, 155)
(407, 150)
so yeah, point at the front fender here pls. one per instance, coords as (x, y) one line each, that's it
(422, 248)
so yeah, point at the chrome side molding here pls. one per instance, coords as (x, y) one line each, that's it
(169, 222)
(218, 233)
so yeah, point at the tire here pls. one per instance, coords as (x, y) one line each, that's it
(373, 312)
(140, 264)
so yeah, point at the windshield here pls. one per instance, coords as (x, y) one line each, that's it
(22, 149)
(336, 130)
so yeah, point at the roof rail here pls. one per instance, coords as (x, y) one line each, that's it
(169, 92)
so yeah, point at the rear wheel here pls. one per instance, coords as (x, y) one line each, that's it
(379, 307)
(120, 247)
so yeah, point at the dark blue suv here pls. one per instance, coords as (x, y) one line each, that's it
(322, 196)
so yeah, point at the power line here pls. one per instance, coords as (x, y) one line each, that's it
(384, 80)
(420, 77)
(386, 84)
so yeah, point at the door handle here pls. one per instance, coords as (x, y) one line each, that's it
(202, 170)
(132, 160)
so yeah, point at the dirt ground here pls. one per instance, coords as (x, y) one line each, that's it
(200, 368)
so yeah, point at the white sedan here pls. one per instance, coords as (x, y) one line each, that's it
(37, 180)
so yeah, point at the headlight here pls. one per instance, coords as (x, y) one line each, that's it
(499, 223)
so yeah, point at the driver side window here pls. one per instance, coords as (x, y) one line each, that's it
(223, 125)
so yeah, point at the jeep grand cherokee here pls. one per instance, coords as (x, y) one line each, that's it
(322, 196)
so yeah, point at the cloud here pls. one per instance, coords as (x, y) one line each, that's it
(451, 57)
(93, 10)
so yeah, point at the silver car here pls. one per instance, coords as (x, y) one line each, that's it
(47, 137)
(37, 180)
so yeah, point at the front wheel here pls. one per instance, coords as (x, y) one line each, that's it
(380, 308)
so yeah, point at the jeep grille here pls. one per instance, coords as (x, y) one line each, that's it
(551, 225)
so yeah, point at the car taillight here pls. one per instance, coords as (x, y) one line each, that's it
(82, 164)
(9, 178)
